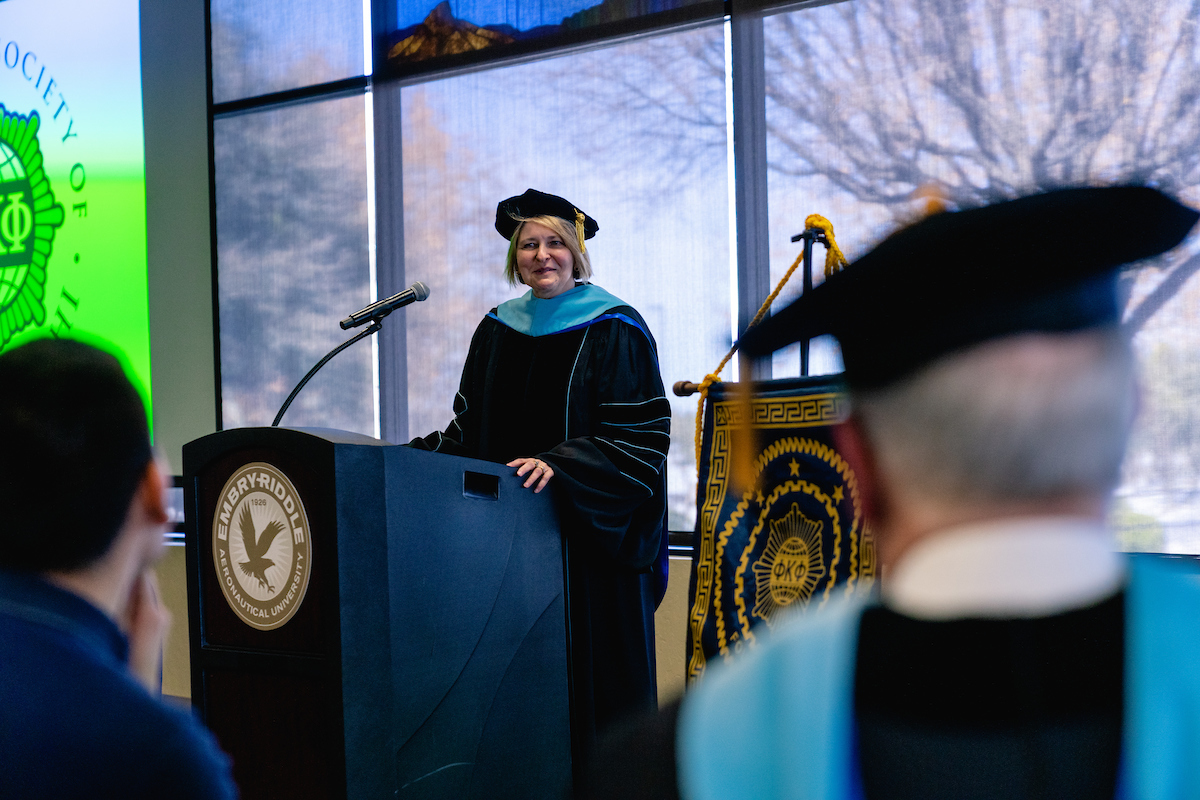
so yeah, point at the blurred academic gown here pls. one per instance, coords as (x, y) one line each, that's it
(967, 684)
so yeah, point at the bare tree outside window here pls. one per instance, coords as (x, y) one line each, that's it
(872, 103)
(869, 102)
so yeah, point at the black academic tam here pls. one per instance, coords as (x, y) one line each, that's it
(1046, 262)
(510, 211)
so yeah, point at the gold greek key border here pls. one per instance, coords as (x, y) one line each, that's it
(784, 412)
(768, 412)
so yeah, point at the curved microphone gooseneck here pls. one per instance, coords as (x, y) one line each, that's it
(373, 314)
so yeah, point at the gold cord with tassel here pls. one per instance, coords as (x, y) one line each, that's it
(834, 261)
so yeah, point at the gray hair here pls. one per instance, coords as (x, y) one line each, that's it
(1029, 417)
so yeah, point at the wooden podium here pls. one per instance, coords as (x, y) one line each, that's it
(374, 621)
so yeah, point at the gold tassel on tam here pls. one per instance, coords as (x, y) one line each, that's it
(579, 230)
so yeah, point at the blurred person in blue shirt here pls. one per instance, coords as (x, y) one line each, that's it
(82, 516)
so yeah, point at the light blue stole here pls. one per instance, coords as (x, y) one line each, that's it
(779, 722)
(573, 308)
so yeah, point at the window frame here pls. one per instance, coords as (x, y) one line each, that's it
(383, 85)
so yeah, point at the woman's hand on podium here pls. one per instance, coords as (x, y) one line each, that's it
(539, 472)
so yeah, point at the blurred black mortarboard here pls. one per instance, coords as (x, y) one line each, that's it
(533, 203)
(1047, 262)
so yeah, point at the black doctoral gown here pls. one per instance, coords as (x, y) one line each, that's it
(969, 709)
(589, 401)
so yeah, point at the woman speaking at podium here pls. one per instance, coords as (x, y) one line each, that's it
(562, 383)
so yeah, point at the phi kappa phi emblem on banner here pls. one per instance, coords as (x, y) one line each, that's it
(792, 541)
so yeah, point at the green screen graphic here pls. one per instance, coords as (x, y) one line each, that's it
(29, 216)
(72, 177)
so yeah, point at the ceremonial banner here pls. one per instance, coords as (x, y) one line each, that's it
(791, 542)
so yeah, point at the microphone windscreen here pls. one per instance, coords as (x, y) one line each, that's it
(420, 291)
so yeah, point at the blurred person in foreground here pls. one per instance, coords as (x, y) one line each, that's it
(563, 384)
(1010, 653)
(82, 516)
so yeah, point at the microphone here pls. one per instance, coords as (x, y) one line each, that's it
(381, 308)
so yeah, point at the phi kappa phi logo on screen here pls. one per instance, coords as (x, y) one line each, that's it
(260, 545)
(29, 216)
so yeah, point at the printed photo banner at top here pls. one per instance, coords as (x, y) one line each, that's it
(72, 176)
(791, 542)
(424, 35)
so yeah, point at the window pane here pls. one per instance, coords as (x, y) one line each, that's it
(635, 135)
(293, 261)
(870, 104)
(260, 46)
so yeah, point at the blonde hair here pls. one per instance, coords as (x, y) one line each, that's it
(565, 231)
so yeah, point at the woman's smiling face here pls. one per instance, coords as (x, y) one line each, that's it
(544, 261)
